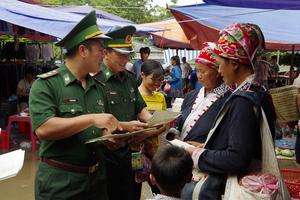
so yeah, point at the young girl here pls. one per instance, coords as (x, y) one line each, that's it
(152, 77)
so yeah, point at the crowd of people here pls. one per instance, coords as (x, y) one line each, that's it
(93, 95)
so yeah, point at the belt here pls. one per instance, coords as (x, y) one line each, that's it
(69, 167)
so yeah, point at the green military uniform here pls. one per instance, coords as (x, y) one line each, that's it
(124, 102)
(59, 94)
(123, 97)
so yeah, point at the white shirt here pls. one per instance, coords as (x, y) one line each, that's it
(201, 105)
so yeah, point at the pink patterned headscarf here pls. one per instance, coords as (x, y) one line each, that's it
(207, 55)
(240, 42)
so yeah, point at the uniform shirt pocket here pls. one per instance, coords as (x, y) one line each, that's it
(99, 109)
(113, 99)
(70, 110)
(132, 97)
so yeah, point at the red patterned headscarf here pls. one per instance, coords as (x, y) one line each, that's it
(240, 42)
(207, 55)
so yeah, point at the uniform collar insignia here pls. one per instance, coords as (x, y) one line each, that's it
(67, 79)
(100, 103)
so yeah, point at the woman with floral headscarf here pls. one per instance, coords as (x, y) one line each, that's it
(201, 106)
(236, 140)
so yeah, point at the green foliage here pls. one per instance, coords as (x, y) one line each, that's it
(174, 1)
(139, 11)
(285, 58)
(57, 52)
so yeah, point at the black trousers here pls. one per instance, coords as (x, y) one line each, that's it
(297, 147)
(120, 177)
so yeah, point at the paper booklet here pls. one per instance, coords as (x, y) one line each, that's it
(117, 135)
(162, 117)
(159, 118)
(11, 163)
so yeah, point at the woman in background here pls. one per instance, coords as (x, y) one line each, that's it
(175, 81)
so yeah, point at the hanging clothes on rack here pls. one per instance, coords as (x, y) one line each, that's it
(47, 52)
(33, 52)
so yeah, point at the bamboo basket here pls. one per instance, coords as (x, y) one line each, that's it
(285, 102)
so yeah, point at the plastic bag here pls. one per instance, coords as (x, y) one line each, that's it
(167, 88)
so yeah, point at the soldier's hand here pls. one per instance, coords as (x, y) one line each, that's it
(133, 125)
(106, 121)
(146, 134)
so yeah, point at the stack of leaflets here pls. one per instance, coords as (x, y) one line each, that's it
(158, 119)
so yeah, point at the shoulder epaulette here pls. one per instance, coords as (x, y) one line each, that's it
(130, 72)
(97, 81)
(48, 74)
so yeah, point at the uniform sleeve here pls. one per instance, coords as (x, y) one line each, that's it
(140, 103)
(243, 132)
(41, 103)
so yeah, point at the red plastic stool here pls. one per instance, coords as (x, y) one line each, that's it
(21, 127)
(4, 140)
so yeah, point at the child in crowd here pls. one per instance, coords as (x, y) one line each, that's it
(171, 169)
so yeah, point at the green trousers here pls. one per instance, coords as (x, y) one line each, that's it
(53, 183)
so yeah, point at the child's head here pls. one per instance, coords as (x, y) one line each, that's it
(152, 74)
(144, 52)
(171, 169)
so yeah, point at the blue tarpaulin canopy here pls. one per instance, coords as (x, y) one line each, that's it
(46, 20)
(202, 23)
(84, 10)
(105, 19)
(35, 17)
(265, 4)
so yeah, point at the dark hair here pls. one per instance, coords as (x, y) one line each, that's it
(30, 70)
(152, 66)
(145, 50)
(72, 52)
(177, 60)
(171, 166)
(274, 57)
(227, 60)
(183, 59)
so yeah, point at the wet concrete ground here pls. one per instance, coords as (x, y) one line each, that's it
(21, 187)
